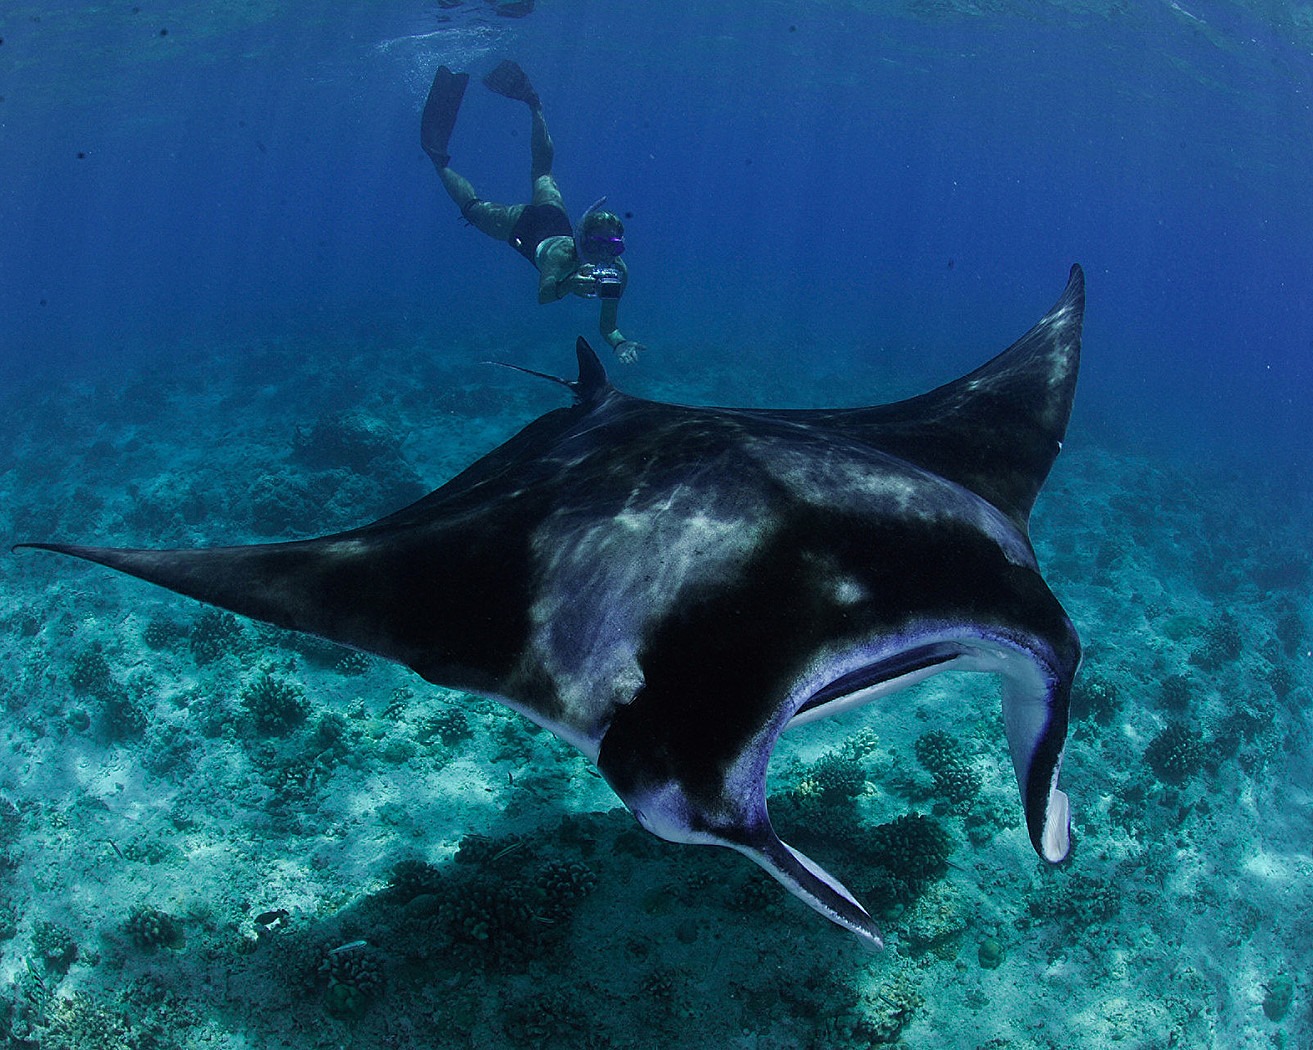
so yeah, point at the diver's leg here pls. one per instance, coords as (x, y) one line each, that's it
(458, 188)
(540, 145)
(545, 191)
(496, 220)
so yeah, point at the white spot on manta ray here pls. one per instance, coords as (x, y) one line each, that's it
(848, 591)
(872, 483)
(601, 586)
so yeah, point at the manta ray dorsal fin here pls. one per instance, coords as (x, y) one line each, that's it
(592, 382)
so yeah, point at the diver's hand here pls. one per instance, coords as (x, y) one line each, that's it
(581, 283)
(629, 350)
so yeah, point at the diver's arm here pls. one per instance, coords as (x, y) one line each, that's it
(625, 349)
(559, 272)
(607, 323)
(554, 273)
(550, 288)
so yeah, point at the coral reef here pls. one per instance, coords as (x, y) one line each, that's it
(660, 990)
(162, 633)
(497, 907)
(1094, 696)
(316, 651)
(151, 928)
(1283, 678)
(122, 716)
(549, 1018)
(878, 1019)
(909, 853)
(936, 921)
(412, 878)
(946, 760)
(54, 946)
(820, 812)
(913, 846)
(170, 749)
(358, 463)
(490, 853)
(1176, 754)
(80, 1022)
(561, 884)
(860, 744)
(11, 831)
(344, 439)
(450, 725)
(1278, 996)
(332, 734)
(1246, 732)
(281, 502)
(297, 764)
(78, 719)
(276, 704)
(398, 750)
(1282, 570)
(493, 921)
(355, 979)
(352, 663)
(754, 894)
(90, 672)
(1080, 900)
(988, 816)
(398, 703)
(1222, 642)
(1176, 692)
(989, 953)
(214, 634)
(834, 777)
(1290, 629)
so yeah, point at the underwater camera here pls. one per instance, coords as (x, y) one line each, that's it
(609, 282)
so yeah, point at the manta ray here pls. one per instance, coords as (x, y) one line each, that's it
(667, 588)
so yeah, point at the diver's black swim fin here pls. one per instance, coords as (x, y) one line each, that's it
(440, 114)
(510, 80)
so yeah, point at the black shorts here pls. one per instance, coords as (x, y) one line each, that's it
(536, 223)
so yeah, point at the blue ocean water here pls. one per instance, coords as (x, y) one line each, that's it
(217, 232)
(841, 180)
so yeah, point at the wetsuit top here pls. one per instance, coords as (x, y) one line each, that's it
(537, 223)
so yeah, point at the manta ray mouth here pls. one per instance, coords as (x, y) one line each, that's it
(886, 675)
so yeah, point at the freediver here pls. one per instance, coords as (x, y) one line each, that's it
(581, 259)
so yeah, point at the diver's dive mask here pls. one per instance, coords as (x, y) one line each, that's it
(599, 237)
